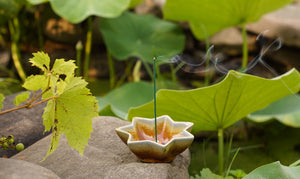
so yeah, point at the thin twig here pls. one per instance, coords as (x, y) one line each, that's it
(28, 105)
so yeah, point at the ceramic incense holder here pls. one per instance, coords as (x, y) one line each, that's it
(172, 138)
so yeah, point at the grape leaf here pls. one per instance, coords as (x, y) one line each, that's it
(74, 110)
(49, 115)
(40, 60)
(64, 67)
(20, 98)
(35, 82)
(1, 100)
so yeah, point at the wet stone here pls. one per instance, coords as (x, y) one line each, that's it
(283, 23)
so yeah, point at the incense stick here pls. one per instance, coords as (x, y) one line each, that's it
(154, 96)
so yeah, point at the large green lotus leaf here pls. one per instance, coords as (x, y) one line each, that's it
(143, 36)
(285, 110)
(121, 99)
(222, 104)
(214, 15)
(274, 171)
(76, 11)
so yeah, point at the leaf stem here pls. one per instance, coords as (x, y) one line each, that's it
(207, 74)
(88, 47)
(14, 29)
(28, 105)
(136, 71)
(295, 163)
(233, 158)
(148, 69)
(112, 73)
(221, 150)
(245, 48)
(78, 58)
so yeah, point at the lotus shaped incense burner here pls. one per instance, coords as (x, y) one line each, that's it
(172, 138)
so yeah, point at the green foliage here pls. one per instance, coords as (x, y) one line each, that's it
(35, 2)
(1, 100)
(20, 98)
(220, 105)
(70, 105)
(285, 110)
(238, 173)
(119, 101)
(10, 9)
(143, 36)
(31, 82)
(77, 11)
(207, 174)
(214, 15)
(134, 3)
(40, 60)
(275, 171)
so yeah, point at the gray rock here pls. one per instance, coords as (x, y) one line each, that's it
(106, 156)
(283, 23)
(19, 169)
(230, 41)
(26, 125)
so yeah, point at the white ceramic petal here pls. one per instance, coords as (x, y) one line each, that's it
(173, 138)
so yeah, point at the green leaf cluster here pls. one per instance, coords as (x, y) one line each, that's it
(77, 11)
(119, 101)
(1, 101)
(70, 105)
(10, 9)
(275, 171)
(142, 36)
(220, 105)
(215, 15)
(285, 110)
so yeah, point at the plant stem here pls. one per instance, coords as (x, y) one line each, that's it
(233, 158)
(173, 72)
(14, 29)
(39, 29)
(245, 48)
(148, 69)
(207, 75)
(295, 163)
(136, 71)
(88, 46)
(27, 105)
(154, 98)
(221, 150)
(129, 65)
(78, 58)
(112, 73)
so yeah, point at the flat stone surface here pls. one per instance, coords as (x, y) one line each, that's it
(19, 169)
(283, 23)
(26, 125)
(106, 156)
